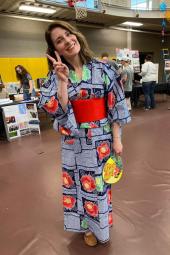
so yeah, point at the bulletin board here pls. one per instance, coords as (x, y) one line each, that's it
(20, 120)
(132, 55)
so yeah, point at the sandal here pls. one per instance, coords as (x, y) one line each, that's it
(90, 239)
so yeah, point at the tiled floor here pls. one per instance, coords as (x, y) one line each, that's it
(31, 217)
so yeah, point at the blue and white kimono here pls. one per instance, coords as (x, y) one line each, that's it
(87, 146)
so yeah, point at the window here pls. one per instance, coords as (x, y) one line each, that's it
(141, 4)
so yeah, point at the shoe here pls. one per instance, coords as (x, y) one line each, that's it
(90, 239)
(146, 109)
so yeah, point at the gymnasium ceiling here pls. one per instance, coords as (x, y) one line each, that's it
(94, 19)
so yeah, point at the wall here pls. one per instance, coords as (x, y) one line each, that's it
(150, 43)
(25, 39)
(101, 40)
(21, 38)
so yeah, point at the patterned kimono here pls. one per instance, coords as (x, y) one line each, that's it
(86, 146)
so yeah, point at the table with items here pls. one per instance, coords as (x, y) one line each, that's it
(160, 88)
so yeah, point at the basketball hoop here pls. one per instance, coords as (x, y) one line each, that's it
(80, 8)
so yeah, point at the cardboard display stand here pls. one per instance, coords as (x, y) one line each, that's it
(20, 120)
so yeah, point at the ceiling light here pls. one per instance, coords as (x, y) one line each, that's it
(131, 24)
(32, 8)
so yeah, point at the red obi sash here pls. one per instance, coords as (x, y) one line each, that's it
(87, 110)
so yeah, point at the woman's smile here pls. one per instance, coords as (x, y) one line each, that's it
(65, 43)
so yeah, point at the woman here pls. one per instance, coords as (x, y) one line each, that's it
(127, 76)
(26, 81)
(148, 74)
(90, 129)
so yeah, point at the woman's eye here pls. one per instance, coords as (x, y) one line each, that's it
(59, 41)
(67, 33)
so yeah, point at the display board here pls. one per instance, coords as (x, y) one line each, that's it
(167, 64)
(20, 120)
(167, 70)
(132, 55)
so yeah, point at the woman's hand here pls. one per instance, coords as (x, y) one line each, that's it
(60, 69)
(62, 73)
(117, 146)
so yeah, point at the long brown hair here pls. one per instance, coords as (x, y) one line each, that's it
(21, 75)
(85, 53)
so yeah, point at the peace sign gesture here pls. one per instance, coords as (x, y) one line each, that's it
(60, 69)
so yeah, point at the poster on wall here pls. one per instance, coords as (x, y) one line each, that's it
(20, 120)
(167, 70)
(167, 64)
(132, 55)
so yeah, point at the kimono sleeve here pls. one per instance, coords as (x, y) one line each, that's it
(64, 120)
(116, 102)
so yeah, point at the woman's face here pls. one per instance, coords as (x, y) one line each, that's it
(18, 70)
(65, 43)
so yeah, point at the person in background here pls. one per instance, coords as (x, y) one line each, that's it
(26, 82)
(136, 91)
(148, 74)
(76, 93)
(127, 76)
(105, 59)
(3, 91)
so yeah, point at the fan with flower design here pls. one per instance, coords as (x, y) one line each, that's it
(113, 169)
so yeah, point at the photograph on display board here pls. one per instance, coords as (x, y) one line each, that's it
(33, 118)
(22, 109)
(23, 125)
(136, 69)
(135, 54)
(120, 54)
(167, 76)
(134, 57)
(35, 130)
(10, 119)
(34, 122)
(34, 115)
(24, 132)
(30, 106)
(12, 128)
(167, 64)
(13, 134)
